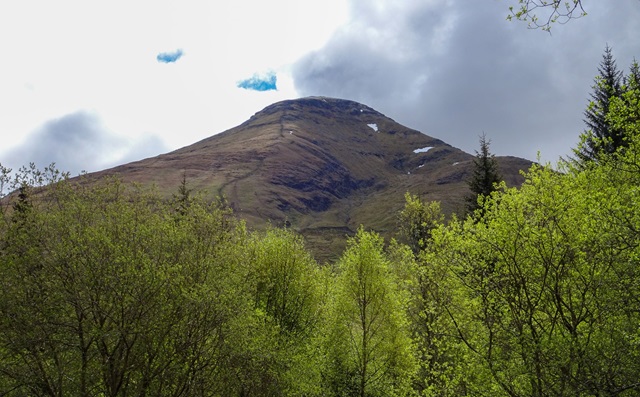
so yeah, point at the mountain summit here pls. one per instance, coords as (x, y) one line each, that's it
(321, 165)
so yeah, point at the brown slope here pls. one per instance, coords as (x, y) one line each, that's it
(316, 164)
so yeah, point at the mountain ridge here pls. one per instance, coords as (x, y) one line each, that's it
(320, 165)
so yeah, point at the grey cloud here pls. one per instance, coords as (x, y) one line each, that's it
(455, 69)
(75, 142)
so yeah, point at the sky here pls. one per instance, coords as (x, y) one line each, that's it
(90, 85)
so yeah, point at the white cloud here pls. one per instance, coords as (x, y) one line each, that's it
(63, 56)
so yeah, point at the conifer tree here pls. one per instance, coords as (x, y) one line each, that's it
(632, 80)
(600, 137)
(485, 175)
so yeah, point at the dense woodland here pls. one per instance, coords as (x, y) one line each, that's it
(111, 290)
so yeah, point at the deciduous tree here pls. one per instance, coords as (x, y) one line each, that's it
(543, 296)
(369, 350)
(105, 293)
(417, 220)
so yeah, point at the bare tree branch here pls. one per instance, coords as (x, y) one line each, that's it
(542, 14)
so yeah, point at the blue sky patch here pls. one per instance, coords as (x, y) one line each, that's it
(260, 82)
(169, 57)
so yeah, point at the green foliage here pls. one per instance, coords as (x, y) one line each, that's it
(286, 281)
(286, 290)
(417, 220)
(183, 198)
(485, 177)
(602, 138)
(104, 293)
(369, 350)
(109, 290)
(542, 286)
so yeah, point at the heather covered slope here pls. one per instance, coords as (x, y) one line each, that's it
(321, 165)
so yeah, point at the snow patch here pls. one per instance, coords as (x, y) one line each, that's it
(373, 126)
(421, 165)
(456, 163)
(290, 132)
(423, 150)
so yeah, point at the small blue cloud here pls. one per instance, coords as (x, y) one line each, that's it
(169, 57)
(260, 83)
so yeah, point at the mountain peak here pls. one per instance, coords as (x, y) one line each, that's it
(320, 105)
(322, 165)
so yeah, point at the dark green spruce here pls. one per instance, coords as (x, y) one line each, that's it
(485, 175)
(601, 137)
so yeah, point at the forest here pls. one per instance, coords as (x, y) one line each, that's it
(112, 290)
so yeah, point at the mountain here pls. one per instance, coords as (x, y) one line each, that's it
(321, 165)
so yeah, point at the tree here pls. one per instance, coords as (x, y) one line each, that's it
(544, 292)
(416, 221)
(441, 361)
(624, 115)
(485, 176)
(556, 11)
(368, 348)
(285, 286)
(104, 292)
(601, 138)
(545, 288)
(183, 197)
(632, 80)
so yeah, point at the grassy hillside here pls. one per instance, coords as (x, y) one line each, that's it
(323, 166)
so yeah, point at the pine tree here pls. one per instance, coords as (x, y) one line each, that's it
(485, 175)
(183, 197)
(600, 137)
(632, 80)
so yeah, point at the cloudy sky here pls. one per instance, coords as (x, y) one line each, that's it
(89, 84)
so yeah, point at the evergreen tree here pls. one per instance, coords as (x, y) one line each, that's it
(485, 175)
(183, 197)
(632, 80)
(23, 204)
(600, 137)
(630, 98)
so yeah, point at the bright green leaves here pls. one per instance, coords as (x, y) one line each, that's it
(369, 348)
(417, 220)
(543, 293)
(286, 288)
(287, 281)
(539, 285)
